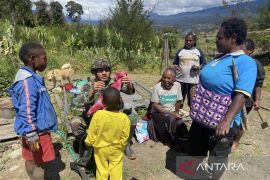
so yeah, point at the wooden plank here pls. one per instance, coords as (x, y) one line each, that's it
(4, 121)
(6, 102)
(6, 108)
(131, 97)
(7, 132)
(7, 113)
(134, 101)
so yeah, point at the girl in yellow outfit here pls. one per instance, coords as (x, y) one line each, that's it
(108, 134)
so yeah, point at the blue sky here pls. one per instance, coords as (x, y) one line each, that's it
(96, 9)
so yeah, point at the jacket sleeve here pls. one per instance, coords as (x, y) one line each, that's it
(202, 58)
(176, 58)
(260, 74)
(125, 131)
(27, 98)
(92, 132)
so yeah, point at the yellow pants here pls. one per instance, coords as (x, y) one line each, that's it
(109, 161)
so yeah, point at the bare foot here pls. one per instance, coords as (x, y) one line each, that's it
(235, 145)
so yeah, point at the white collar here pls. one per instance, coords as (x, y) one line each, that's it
(237, 53)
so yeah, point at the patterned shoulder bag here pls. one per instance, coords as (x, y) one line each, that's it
(209, 108)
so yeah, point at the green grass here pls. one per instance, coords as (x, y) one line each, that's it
(266, 85)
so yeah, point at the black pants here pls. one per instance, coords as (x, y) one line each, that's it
(189, 91)
(131, 134)
(167, 129)
(202, 140)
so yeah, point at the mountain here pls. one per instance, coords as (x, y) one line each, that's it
(83, 21)
(206, 19)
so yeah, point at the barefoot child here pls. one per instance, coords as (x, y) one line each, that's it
(35, 115)
(108, 133)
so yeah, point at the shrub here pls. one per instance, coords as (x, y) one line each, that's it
(7, 74)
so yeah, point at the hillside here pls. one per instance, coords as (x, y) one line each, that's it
(206, 19)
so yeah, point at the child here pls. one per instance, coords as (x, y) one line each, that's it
(188, 61)
(35, 115)
(255, 101)
(108, 133)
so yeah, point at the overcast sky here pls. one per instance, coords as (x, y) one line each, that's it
(95, 9)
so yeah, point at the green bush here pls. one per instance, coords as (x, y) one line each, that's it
(7, 74)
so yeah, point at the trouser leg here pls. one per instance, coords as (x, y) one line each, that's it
(128, 150)
(184, 89)
(219, 152)
(191, 89)
(102, 163)
(116, 163)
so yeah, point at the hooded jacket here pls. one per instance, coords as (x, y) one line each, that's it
(34, 110)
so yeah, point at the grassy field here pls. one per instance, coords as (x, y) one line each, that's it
(266, 85)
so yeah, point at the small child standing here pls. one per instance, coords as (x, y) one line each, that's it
(35, 115)
(108, 133)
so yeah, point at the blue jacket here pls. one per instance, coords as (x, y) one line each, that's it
(34, 110)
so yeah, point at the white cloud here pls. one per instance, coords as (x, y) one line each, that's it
(96, 9)
(167, 7)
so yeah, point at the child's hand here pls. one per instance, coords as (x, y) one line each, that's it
(32, 140)
(33, 145)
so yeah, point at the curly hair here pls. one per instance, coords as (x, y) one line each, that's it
(237, 27)
(249, 44)
(29, 49)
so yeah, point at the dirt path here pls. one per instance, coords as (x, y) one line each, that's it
(155, 161)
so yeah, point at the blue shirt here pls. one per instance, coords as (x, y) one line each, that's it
(217, 76)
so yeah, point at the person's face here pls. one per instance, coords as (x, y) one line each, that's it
(40, 60)
(168, 79)
(103, 74)
(189, 42)
(224, 44)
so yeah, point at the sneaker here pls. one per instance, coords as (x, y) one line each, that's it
(129, 152)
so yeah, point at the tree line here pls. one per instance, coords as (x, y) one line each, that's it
(21, 12)
(127, 27)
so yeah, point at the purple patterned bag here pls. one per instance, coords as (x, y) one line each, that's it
(209, 108)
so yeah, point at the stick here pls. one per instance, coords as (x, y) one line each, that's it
(264, 108)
